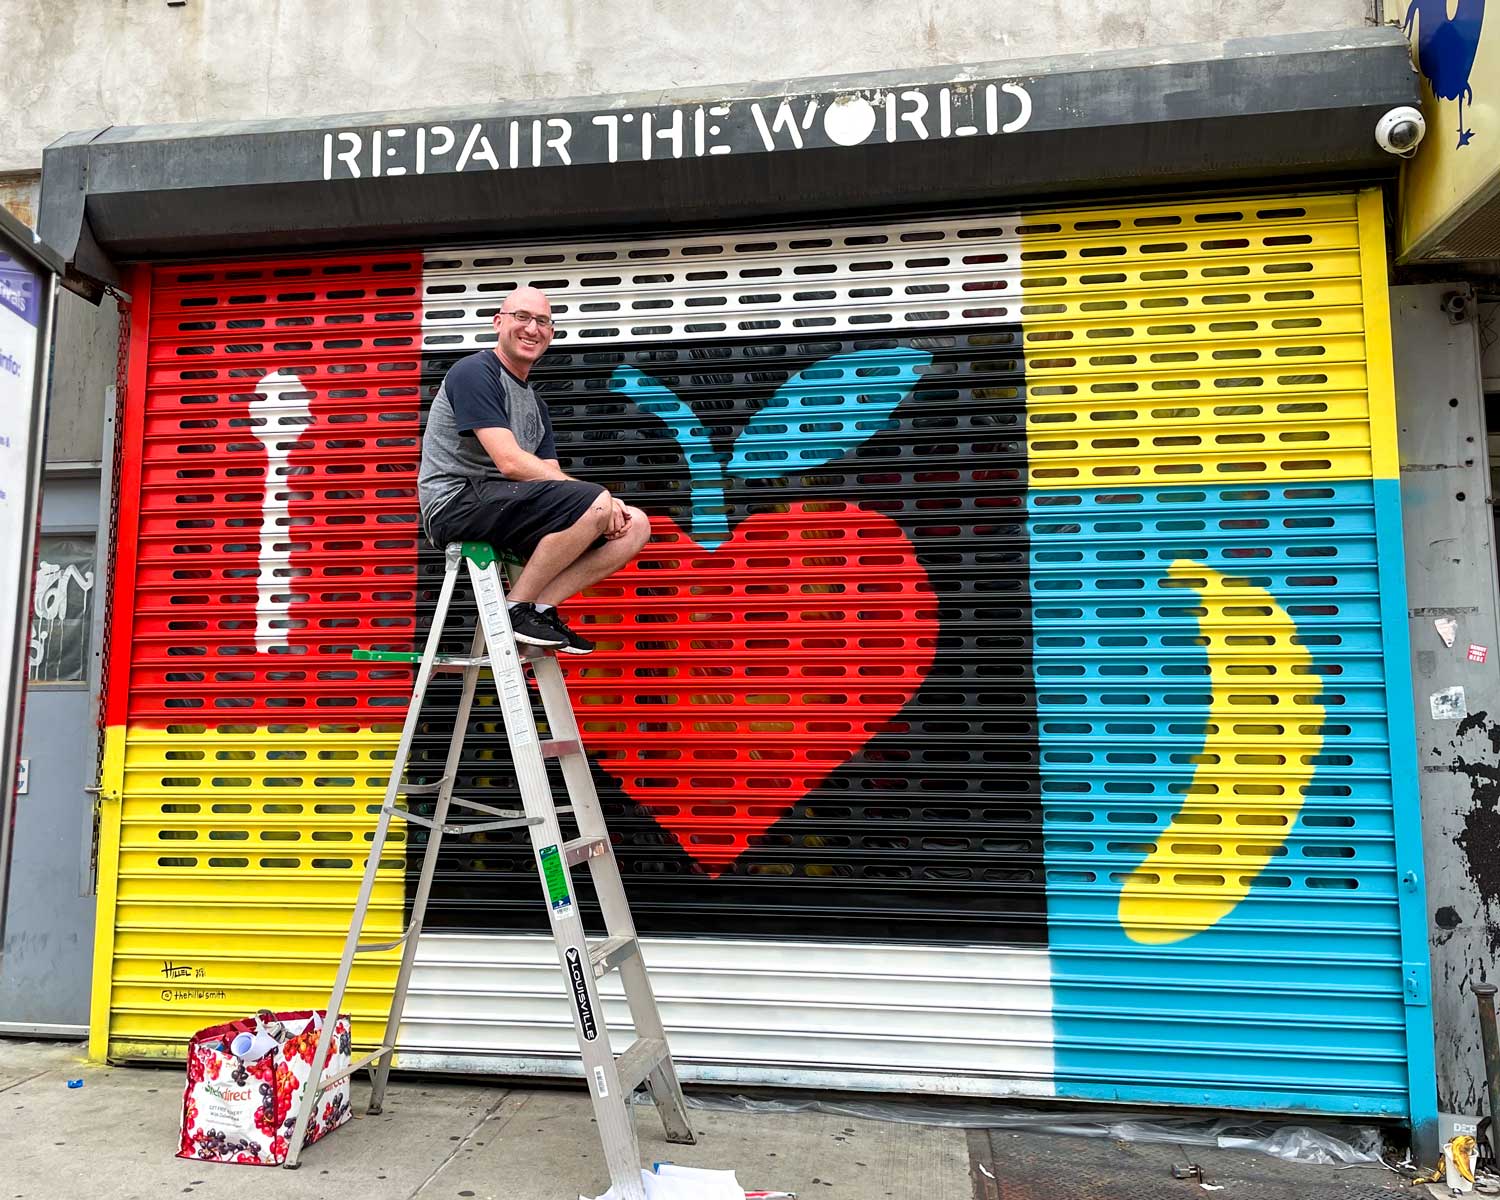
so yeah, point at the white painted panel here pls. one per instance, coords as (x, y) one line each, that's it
(875, 279)
(954, 1020)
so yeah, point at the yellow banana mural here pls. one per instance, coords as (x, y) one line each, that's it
(1227, 829)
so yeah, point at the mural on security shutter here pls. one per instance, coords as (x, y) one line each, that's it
(1008, 671)
(784, 709)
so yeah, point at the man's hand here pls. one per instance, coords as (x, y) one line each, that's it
(619, 519)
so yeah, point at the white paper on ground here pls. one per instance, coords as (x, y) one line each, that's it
(686, 1183)
(708, 1185)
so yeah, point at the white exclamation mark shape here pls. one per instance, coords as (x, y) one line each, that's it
(282, 408)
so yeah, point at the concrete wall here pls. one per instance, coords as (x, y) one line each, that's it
(1450, 574)
(84, 357)
(78, 64)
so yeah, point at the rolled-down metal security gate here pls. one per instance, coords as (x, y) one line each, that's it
(1013, 700)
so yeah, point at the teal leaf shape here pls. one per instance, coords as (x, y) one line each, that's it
(819, 414)
(710, 514)
(825, 410)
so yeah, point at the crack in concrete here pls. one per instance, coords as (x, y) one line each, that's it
(464, 1141)
(28, 1079)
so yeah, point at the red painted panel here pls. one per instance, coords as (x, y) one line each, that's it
(275, 416)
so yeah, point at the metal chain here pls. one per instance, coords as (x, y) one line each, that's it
(111, 540)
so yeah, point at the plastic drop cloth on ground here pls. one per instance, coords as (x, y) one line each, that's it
(671, 1182)
(1324, 1144)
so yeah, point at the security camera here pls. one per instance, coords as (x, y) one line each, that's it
(1400, 131)
(1459, 306)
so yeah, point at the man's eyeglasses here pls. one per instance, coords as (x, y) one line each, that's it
(525, 318)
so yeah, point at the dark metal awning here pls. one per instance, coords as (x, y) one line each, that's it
(1276, 108)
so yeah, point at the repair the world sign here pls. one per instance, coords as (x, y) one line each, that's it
(982, 108)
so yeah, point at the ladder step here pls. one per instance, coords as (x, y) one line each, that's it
(581, 848)
(422, 789)
(561, 747)
(611, 952)
(359, 1064)
(373, 947)
(488, 809)
(522, 822)
(512, 820)
(455, 662)
(643, 1057)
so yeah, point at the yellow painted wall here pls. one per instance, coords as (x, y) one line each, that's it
(1445, 179)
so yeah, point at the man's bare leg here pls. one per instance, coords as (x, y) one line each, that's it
(559, 551)
(598, 564)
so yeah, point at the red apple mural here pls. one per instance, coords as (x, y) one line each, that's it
(794, 642)
(736, 669)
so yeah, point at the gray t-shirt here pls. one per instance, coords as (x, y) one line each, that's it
(477, 393)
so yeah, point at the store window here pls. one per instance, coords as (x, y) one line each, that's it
(62, 610)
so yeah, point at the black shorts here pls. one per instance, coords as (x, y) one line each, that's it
(512, 515)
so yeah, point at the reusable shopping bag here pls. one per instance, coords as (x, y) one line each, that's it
(239, 1107)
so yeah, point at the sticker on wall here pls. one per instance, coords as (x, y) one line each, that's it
(1447, 629)
(1478, 653)
(1450, 704)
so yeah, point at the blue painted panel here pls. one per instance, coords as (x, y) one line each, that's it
(1294, 999)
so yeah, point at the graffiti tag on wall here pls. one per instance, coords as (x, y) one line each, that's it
(62, 605)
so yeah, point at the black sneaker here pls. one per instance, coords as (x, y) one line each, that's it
(532, 628)
(573, 641)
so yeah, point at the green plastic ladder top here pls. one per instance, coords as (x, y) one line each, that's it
(482, 554)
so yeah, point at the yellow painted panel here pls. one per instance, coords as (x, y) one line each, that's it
(1162, 470)
(1187, 368)
(1215, 284)
(239, 858)
(1341, 315)
(1171, 359)
(1168, 307)
(1126, 439)
(1377, 301)
(1227, 380)
(1211, 215)
(1456, 168)
(110, 781)
(1242, 252)
(1192, 879)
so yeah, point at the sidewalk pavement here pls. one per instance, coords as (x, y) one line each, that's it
(114, 1139)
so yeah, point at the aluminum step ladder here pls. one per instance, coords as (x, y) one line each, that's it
(611, 1080)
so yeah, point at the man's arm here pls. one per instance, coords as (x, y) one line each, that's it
(513, 462)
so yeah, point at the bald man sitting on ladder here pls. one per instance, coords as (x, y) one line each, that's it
(490, 474)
